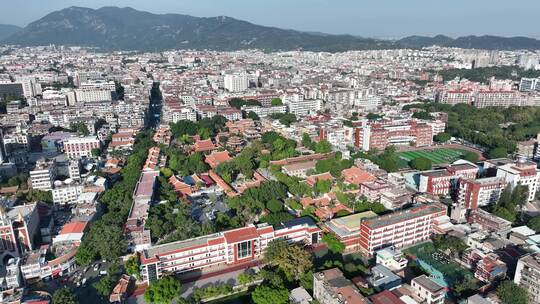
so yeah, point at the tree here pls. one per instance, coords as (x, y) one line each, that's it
(105, 285)
(85, 254)
(292, 259)
(421, 163)
(498, 152)
(239, 102)
(274, 205)
(442, 137)
(133, 265)
(306, 141)
(80, 128)
(534, 223)
(422, 115)
(270, 295)
(119, 89)
(323, 146)
(96, 152)
(470, 156)
(373, 116)
(253, 115)
(510, 293)
(388, 160)
(163, 290)
(334, 245)
(323, 186)
(277, 102)
(64, 295)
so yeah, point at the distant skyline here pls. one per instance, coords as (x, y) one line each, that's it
(367, 18)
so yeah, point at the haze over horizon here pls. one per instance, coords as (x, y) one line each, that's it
(361, 18)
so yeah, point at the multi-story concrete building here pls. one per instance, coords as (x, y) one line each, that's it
(455, 96)
(474, 193)
(66, 193)
(331, 287)
(381, 134)
(236, 82)
(264, 111)
(499, 98)
(528, 276)
(43, 175)
(391, 258)
(303, 107)
(399, 229)
(523, 173)
(92, 92)
(232, 247)
(18, 227)
(79, 147)
(444, 181)
(428, 290)
(484, 98)
(489, 222)
(529, 84)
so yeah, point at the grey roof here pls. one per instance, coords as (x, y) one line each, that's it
(429, 284)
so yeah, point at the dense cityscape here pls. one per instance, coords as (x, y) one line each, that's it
(392, 176)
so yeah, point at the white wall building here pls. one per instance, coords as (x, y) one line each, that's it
(236, 82)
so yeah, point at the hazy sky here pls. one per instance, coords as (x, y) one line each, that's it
(369, 18)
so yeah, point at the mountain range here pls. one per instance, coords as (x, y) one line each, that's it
(7, 30)
(114, 28)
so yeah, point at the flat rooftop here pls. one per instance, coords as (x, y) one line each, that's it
(429, 284)
(145, 185)
(404, 215)
(350, 224)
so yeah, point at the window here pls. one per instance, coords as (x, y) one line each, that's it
(243, 249)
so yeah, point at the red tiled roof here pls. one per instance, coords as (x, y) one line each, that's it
(355, 175)
(385, 297)
(74, 227)
(241, 234)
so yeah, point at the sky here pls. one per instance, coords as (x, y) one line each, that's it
(367, 18)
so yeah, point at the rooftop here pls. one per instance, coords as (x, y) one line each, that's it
(404, 215)
(429, 284)
(350, 224)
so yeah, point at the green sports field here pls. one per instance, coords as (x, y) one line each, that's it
(437, 156)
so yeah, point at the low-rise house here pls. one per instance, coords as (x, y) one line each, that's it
(331, 287)
(391, 258)
(428, 290)
(382, 278)
(121, 290)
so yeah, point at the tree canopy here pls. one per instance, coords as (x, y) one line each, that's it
(291, 259)
(510, 293)
(334, 245)
(442, 137)
(164, 290)
(239, 102)
(270, 295)
(64, 295)
(421, 163)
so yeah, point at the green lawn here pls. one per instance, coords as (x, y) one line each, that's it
(437, 156)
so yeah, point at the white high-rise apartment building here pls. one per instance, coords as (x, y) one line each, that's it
(236, 82)
(523, 173)
(43, 175)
